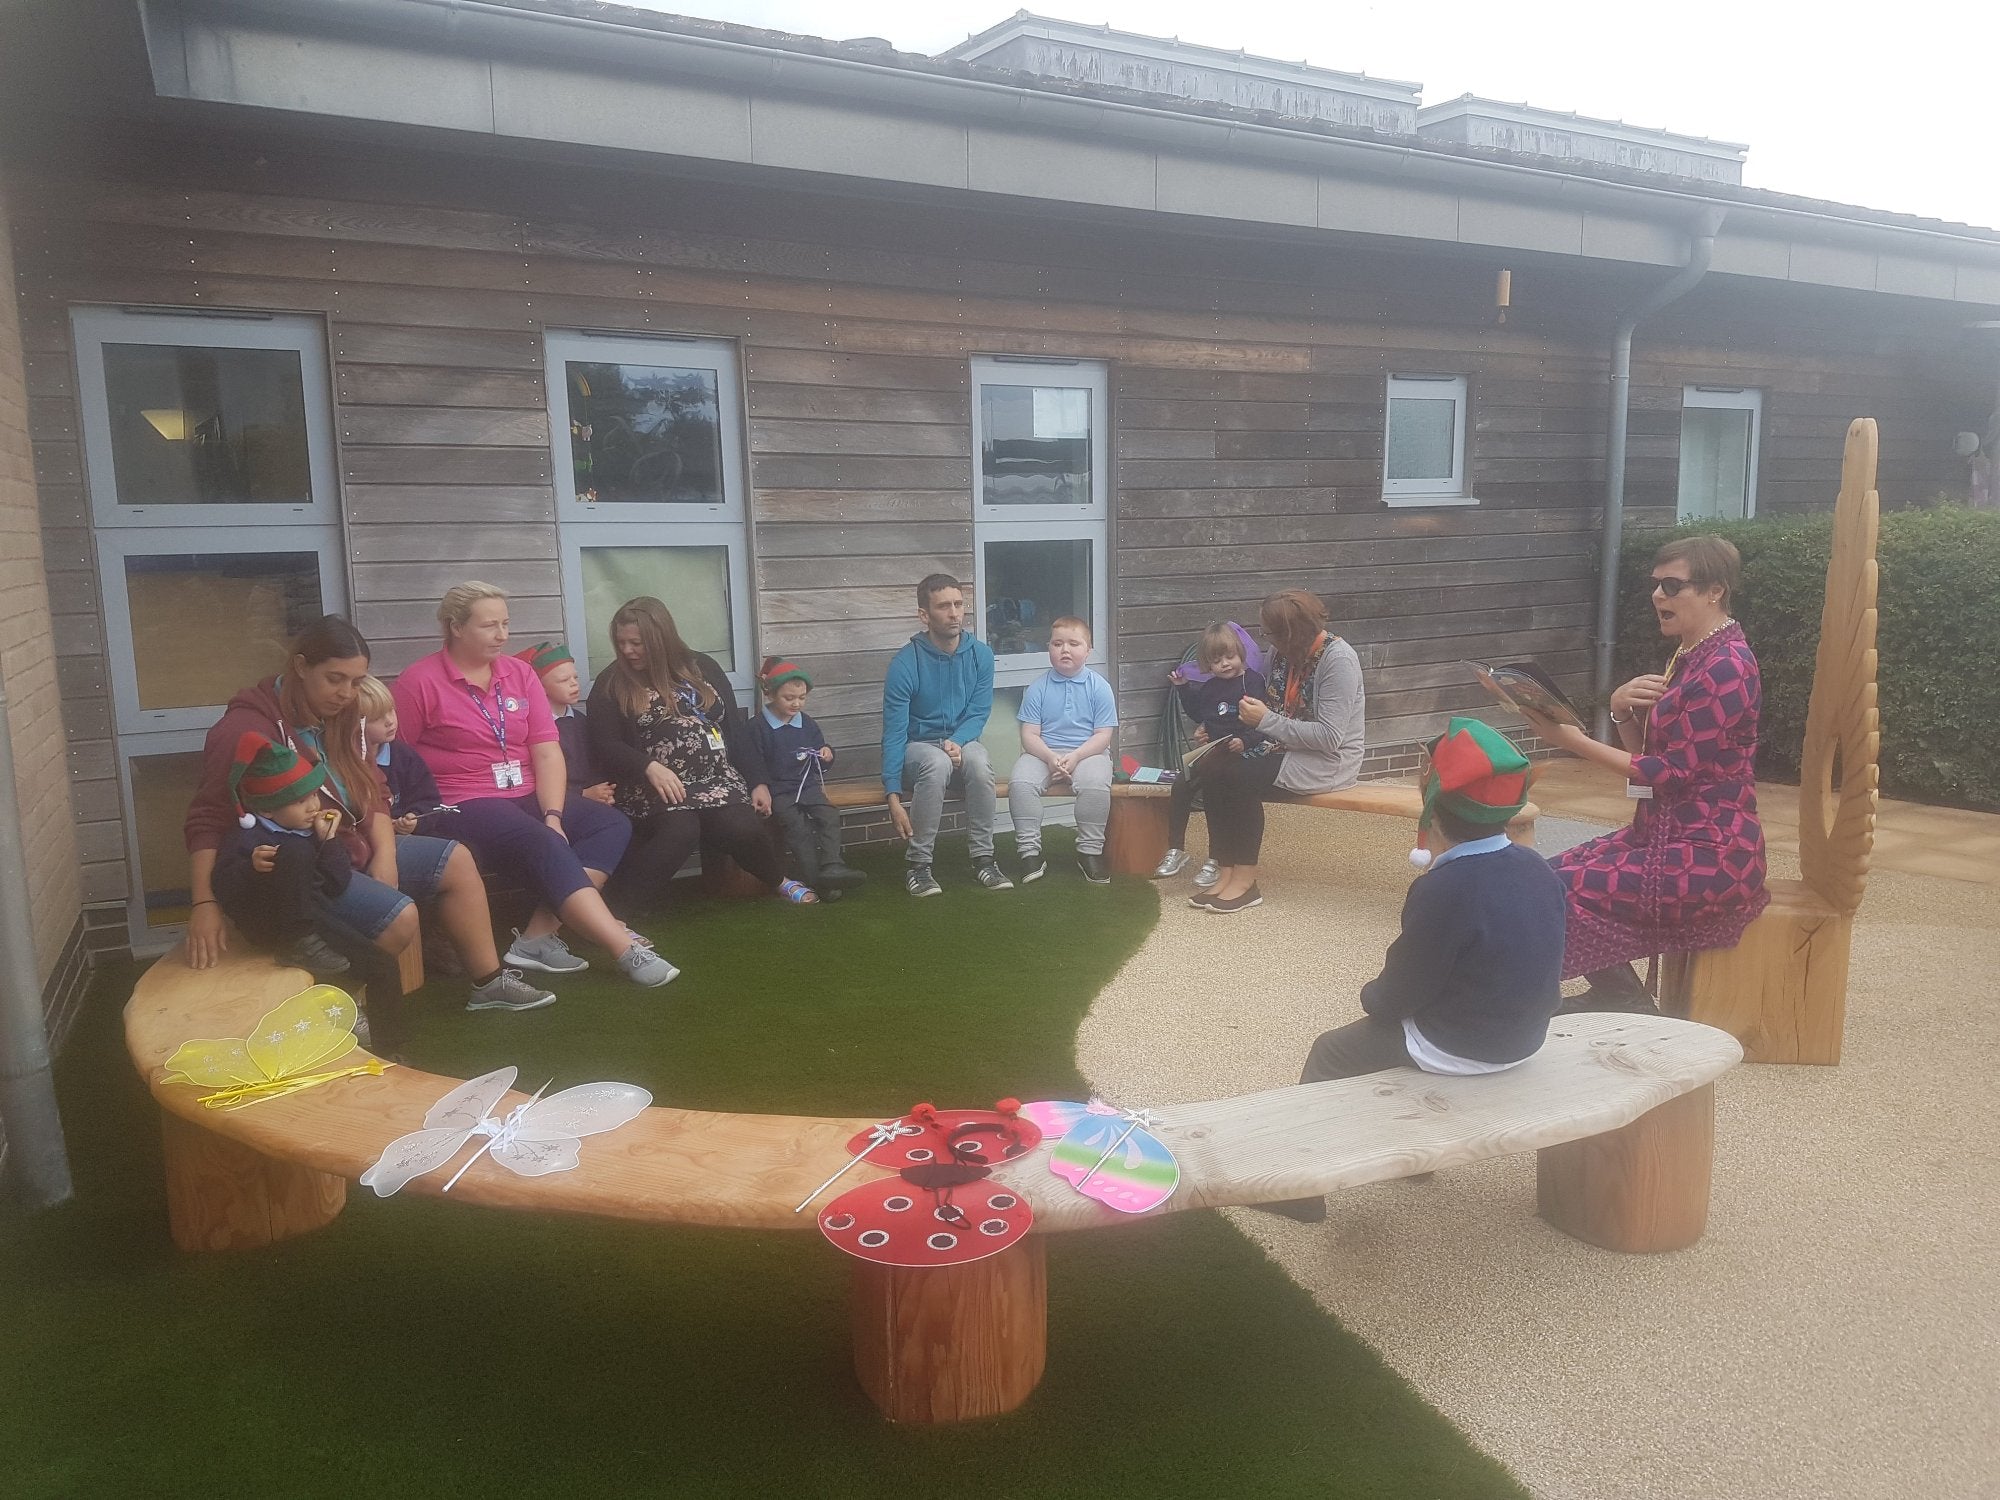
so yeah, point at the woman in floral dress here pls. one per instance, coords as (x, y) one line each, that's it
(663, 722)
(1688, 874)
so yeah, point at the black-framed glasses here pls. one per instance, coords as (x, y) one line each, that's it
(1671, 587)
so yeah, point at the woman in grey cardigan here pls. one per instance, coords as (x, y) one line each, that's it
(1315, 719)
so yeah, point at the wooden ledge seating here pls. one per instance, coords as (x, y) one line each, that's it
(1620, 1109)
(1136, 840)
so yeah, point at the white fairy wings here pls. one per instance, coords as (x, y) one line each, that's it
(533, 1139)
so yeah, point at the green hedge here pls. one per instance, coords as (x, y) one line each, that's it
(1939, 639)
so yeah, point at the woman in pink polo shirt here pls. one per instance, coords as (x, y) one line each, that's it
(481, 721)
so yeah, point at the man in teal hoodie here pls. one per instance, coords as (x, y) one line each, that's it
(934, 708)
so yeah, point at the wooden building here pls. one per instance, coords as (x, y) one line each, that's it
(329, 305)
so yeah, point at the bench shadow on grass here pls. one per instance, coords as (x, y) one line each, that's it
(419, 1347)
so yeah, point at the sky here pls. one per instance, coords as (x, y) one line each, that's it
(1887, 106)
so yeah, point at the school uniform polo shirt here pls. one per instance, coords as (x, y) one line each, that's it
(1068, 709)
(439, 715)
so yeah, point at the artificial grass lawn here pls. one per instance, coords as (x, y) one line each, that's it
(425, 1347)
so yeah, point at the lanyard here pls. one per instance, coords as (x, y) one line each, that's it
(499, 725)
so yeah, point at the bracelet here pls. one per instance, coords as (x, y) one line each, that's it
(552, 812)
(210, 902)
(1626, 720)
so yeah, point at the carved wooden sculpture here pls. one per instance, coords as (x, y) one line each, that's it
(1782, 990)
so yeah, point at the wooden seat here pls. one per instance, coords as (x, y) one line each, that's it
(1137, 838)
(1782, 990)
(1618, 1106)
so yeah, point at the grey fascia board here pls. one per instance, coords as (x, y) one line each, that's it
(873, 89)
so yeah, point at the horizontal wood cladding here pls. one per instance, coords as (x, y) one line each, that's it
(1247, 381)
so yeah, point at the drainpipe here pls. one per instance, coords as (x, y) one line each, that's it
(27, 1087)
(1701, 250)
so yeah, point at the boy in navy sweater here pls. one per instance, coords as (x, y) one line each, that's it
(557, 669)
(287, 861)
(795, 756)
(1471, 983)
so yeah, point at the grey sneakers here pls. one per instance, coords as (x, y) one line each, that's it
(988, 873)
(640, 964)
(919, 881)
(549, 955)
(507, 990)
(1175, 862)
(1208, 876)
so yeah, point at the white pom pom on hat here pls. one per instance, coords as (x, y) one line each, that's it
(244, 820)
(1421, 858)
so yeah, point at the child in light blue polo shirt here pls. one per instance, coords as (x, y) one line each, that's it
(1067, 716)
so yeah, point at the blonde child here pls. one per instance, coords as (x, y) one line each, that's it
(1067, 715)
(413, 792)
(557, 669)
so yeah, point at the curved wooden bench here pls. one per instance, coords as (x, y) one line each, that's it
(1620, 1108)
(1137, 839)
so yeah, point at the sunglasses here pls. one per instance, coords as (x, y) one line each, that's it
(1671, 587)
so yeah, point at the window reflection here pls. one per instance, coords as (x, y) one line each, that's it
(1034, 445)
(1029, 584)
(645, 434)
(198, 426)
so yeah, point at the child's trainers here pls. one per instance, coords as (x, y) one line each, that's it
(989, 874)
(1094, 868)
(919, 881)
(1175, 862)
(798, 893)
(1033, 866)
(1208, 877)
(313, 955)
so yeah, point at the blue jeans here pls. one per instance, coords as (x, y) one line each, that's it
(368, 907)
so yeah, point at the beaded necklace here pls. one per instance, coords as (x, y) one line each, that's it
(1682, 650)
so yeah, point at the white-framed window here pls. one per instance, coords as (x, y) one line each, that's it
(208, 455)
(650, 490)
(1719, 436)
(1041, 510)
(1423, 441)
(197, 420)
(1040, 502)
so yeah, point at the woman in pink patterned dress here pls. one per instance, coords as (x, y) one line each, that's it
(1688, 873)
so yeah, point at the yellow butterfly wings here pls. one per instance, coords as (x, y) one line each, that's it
(312, 1027)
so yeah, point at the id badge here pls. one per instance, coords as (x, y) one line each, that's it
(508, 774)
(714, 737)
(1638, 791)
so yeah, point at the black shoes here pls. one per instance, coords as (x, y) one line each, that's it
(1214, 903)
(1033, 867)
(918, 881)
(838, 878)
(988, 873)
(1094, 868)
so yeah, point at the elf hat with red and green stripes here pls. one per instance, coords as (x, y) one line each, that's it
(264, 777)
(1475, 774)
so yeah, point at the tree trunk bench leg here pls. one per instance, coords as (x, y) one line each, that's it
(951, 1343)
(1781, 991)
(221, 1195)
(1641, 1188)
(1135, 840)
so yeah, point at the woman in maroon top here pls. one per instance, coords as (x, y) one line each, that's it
(1688, 874)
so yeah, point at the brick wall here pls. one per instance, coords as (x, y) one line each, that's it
(27, 657)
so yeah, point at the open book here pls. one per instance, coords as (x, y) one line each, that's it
(1526, 688)
(1199, 751)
